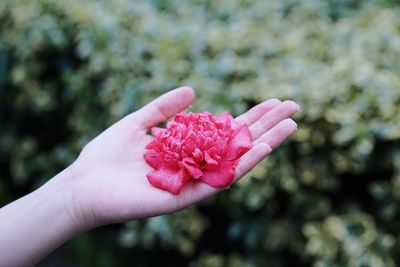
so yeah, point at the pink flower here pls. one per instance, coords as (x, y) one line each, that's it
(196, 146)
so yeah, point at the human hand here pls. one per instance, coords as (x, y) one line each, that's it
(109, 181)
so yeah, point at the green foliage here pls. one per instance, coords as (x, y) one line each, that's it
(68, 69)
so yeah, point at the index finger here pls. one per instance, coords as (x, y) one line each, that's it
(257, 112)
(165, 106)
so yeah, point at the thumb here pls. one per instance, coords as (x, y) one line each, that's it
(165, 106)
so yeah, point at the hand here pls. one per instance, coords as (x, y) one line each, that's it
(109, 181)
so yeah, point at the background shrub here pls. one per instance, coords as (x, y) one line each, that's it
(329, 197)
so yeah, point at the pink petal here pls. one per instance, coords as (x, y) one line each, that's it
(239, 144)
(224, 118)
(153, 159)
(212, 150)
(210, 161)
(197, 155)
(235, 125)
(189, 160)
(221, 177)
(194, 171)
(154, 145)
(208, 143)
(156, 131)
(171, 180)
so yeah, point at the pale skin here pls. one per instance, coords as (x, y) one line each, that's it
(107, 182)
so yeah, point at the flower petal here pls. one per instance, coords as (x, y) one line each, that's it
(210, 161)
(194, 171)
(235, 125)
(156, 131)
(197, 155)
(153, 159)
(224, 118)
(239, 144)
(154, 145)
(171, 180)
(221, 177)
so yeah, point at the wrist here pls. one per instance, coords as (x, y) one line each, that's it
(77, 199)
(47, 216)
(63, 188)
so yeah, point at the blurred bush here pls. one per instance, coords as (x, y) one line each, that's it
(68, 69)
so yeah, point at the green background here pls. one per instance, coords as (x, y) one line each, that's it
(328, 197)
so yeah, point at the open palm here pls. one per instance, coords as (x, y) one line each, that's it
(110, 184)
